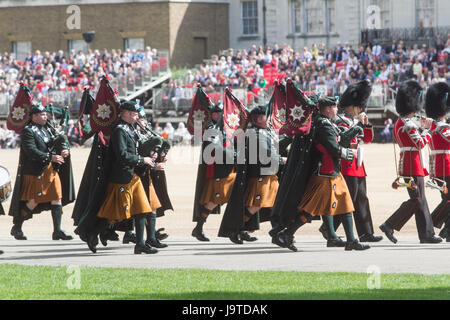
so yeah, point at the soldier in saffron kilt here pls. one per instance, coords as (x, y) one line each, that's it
(254, 190)
(412, 139)
(352, 104)
(437, 104)
(326, 192)
(214, 180)
(125, 197)
(44, 179)
(147, 175)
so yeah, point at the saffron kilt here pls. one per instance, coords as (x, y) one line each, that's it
(261, 192)
(327, 196)
(218, 190)
(44, 188)
(123, 201)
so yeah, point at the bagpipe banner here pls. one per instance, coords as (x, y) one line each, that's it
(235, 115)
(276, 111)
(19, 114)
(105, 111)
(299, 109)
(200, 111)
(86, 105)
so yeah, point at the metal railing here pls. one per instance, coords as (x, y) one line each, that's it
(133, 80)
(178, 101)
(408, 35)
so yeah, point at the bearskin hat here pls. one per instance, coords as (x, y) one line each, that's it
(409, 97)
(357, 94)
(437, 102)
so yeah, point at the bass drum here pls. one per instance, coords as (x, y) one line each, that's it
(5, 184)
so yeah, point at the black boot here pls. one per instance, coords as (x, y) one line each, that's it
(92, 242)
(198, 231)
(129, 237)
(370, 238)
(246, 237)
(141, 246)
(288, 240)
(155, 243)
(235, 237)
(104, 238)
(355, 245)
(388, 232)
(138, 249)
(338, 242)
(323, 231)
(159, 235)
(151, 233)
(58, 234)
(17, 233)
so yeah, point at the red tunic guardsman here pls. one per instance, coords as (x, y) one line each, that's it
(412, 139)
(436, 106)
(352, 104)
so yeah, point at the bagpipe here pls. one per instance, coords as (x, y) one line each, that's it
(150, 141)
(58, 139)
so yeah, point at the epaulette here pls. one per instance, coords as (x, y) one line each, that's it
(442, 125)
(409, 124)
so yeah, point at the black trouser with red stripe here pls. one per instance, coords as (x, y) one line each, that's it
(416, 205)
(441, 214)
(361, 215)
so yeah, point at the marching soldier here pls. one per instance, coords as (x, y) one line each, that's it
(125, 196)
(147, 176)
(44, 178)
(353, 103)
(412, 139)
(437, 104)
(326, 192)
(257, 186)
(214, 180)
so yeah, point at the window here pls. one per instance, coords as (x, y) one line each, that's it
(312, 16)
(21, 48)
(78, 45)
(249, 11)
(315, 16)
(297, 13)
(134, 43)
(425, 12)
(385, 12)
(331, 7)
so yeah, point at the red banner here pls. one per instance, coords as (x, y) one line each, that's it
(299, 109)
(87, 102)
(235, 115)
(105, 111)
(19, 114)
(277, 107)
(199, 112)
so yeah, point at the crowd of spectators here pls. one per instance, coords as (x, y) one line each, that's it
(335, 68)
(71, 71)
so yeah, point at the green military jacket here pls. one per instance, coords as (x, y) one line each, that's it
(263, 158)
(123, 153)
(221, 170)
(331, 145)
(36, 146)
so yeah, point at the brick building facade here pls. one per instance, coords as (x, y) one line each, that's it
(190, 30)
